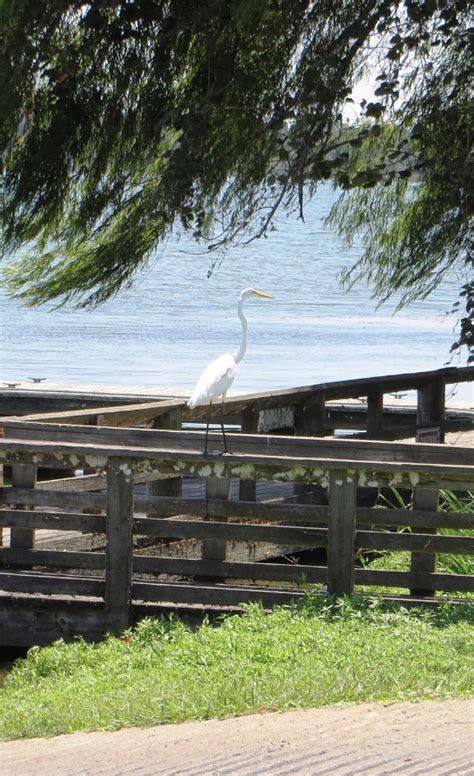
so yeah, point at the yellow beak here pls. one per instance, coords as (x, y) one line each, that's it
(262, 294)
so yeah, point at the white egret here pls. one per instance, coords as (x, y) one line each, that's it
(217, 378)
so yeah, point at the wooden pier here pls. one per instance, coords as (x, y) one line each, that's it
(226, 504)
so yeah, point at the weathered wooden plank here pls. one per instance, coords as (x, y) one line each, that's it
(58, 521)
(415, 542)
(92, 482)
(50, 584)
(33, 620)
(127, 414)
(291, 512)
(341, 533)
(414, 518)
(262, 467)
(270, 469)
(346, 389)
(350, 416)
(118, 568)
(52, 498)
(23, 400)
(27, 401)
(23, 477)
(284, 470)
(164, 507)
(409, 579)
(250, 510)
(338, 415)
(201, 529)
(258, 444)
(218, 595)
(52, 558)
(278, 572)
(77, 484)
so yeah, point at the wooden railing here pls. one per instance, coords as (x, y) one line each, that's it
(111, 586)
(306, 409)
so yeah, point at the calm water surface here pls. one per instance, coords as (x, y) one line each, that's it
(174, 320)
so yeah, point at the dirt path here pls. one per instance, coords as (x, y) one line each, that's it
(404, 738)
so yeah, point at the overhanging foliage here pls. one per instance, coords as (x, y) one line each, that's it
(121, 120)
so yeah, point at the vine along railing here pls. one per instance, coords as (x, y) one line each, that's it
(110, 585)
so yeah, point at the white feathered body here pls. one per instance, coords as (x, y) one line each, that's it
(215, 381)
(219, 375)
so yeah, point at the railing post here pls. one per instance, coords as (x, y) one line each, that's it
(310, 419)
(310, 416)
(431, 405)
(119, 550)
(374, 412)
(341, 532)
(23, 476)
(430, 412)
(216, 488)
(172, 486)
(424, 562)
(248, 488)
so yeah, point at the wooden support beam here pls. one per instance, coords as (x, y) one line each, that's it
(431, 407)
(23, 476)
(422, 562)
(216, 488)
(431, 404)
(310, 416)
(374, 412)
(118, 565)
(310, 420)
(248, 488)
(173, 485)
(341, 532)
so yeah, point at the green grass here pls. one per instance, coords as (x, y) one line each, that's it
(316, 653)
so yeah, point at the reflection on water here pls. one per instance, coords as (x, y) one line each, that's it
(161, 332)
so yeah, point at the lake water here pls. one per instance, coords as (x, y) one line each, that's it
(161, 332)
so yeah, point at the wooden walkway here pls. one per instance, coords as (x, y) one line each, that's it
(169, 527)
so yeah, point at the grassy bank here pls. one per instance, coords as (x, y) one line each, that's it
(313, 654)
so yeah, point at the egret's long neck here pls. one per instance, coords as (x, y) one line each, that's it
(243, 342)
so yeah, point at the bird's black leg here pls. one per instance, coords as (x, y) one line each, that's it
(226, 449)
(207, 427)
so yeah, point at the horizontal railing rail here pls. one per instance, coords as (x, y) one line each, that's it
(308, 399)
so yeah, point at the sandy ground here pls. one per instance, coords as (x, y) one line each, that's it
(405, 738)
